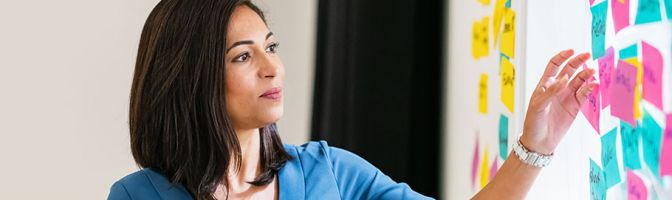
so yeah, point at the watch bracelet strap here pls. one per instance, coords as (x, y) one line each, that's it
(530, 157)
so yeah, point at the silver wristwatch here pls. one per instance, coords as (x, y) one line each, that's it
(529, 157)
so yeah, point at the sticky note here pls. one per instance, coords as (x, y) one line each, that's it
(599, 27)
(485, 170)
(509, 33)
(606, 66)
(503, 136)
(609, 159)
(474, 163)
(620, 12)
(598, 187)
(497, 19)
(628, 52)
(666, 152)
(508, 76)
(483, 94)
(484, 2)
(591, 2)
(630, 145)
(647, 11)
(493, 169)
(636, 188)
(668, 8)
(638, 85)
(652, 77)
(508, 3)
(651, 136)
(623, 92)
(591, 108)
(479, 46)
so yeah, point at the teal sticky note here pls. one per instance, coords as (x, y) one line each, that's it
(503, 136)
(630, 143)
(648, 11)
(502, 56)
(668, 8)
(628, 52)
(599, 27)
(598, 188)
(508, 4)
(652, 135)
(609, 160)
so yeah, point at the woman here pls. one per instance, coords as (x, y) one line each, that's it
(207, 92)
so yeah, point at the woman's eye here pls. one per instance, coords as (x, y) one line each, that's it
(272, 48)
(242, 58)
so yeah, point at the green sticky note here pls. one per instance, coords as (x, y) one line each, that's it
(648, 11)
(598, 187)
(599, 27)
(609, 160)
(628, 52)
(503, 136)
(651, 140)
(630, 142)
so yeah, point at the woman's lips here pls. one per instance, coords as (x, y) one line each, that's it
(273, 94)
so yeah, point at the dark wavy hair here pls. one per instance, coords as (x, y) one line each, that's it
(179, 125)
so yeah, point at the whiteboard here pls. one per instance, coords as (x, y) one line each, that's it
(543, 29)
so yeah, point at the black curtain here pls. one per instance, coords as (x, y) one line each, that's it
(377, 85)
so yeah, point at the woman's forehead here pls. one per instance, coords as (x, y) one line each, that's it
(246, 24)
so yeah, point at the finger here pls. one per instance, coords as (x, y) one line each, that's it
(581, 78)
(584, 91)
(574, 64)
(553, 90)
(554, 64)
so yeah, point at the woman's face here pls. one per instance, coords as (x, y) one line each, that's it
(254, 72)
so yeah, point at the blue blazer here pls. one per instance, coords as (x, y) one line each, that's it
(316, 171)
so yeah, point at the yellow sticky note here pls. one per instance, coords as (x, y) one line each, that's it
(485, 170)
(638, 91)
(483, 94)
(480, 39)
(509, 33)
(508, 79)
(497, 19)
(484, 2)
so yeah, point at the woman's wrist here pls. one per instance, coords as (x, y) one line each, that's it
(536, 145)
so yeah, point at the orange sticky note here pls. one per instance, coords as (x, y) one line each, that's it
(508, 79)
(483, 94)
(509, 33)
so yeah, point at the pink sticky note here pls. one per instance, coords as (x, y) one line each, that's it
(591, 108)
(623, 92)
(591, 2)
(493, 168)
(606, 65)
(652, 86)
(620, 13)
(666, 152)
(474, 163)
(636, 188)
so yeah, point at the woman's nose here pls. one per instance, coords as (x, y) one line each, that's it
(270, 67)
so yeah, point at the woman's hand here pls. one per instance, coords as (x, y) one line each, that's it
(555, 102)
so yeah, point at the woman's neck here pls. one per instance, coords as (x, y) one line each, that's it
(249, 164)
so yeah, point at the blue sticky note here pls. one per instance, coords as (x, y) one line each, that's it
(648, 11)
(628, 52)
(503, 136)
(598, 187)
(668, 8)
(502, 56)
(508, 4)
(599, 27)
(609, 160)
(651, 140)
(630, 143)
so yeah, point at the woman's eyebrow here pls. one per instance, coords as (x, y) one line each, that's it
(246, 42)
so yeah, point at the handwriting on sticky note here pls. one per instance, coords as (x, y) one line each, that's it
(606, 66)
(647, 11)
(598, 189)
(620, 12)
(652, 77)
(509, 33)
(636, 188)
(591, 108)
(503, 136)
(609, 161)
(630, 144)
(599, 27)
(479, 46)
(651, 136)
(623, 92)
(485, 170)
(483, 94)
(508, 76)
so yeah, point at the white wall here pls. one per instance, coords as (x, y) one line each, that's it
(65, 75)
